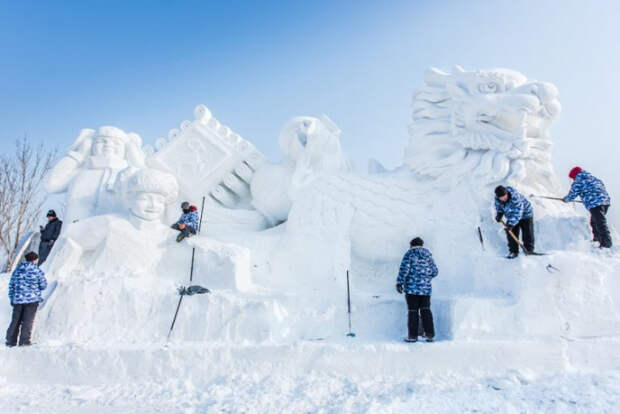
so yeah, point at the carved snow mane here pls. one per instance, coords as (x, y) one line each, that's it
(492, 125)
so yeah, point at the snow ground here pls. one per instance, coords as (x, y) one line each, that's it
(343, 375)
(324, 393)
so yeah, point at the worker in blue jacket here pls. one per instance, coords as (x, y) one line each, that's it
(187, 224)
(416, 272)
(595, 198)
(519, 218)
(25, 287)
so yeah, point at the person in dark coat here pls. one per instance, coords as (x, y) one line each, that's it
(25, 287)
(595, 199)
(417, 270)
(49, 235)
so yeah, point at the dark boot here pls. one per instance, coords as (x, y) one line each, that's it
(413, 325)
(598, 220)
(427, 318)
(513, 246)
(527, 226)
(44, 250)
(16, 321)
(30, 310)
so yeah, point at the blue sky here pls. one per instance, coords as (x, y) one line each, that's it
(144, 66)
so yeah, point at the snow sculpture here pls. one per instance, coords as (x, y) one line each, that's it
(490, 123)
(88, 173)
(138, 243)
(133, 241)
(311, 147)
(211, 160)
(471, 130)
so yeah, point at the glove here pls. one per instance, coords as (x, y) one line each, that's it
(499, 216)
(399, 287)
(41, 227)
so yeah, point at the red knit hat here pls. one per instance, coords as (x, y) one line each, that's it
(573, 173)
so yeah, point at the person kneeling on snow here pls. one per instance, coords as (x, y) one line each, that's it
(25, 287)
(417, 270)
(187, 224)
(595, 198)
(519, 216)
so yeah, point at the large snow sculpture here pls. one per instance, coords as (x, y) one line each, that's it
(311, 147)
(138, 243)
(211, 160)
(132, 242)
(88, 173)
(489, 124)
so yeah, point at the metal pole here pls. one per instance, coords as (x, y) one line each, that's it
(481, 239)
(350, 334)
(175, 318)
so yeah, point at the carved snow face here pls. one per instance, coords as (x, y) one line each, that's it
(501, 103)
(488, 124)
(148, 206)
(109, 146)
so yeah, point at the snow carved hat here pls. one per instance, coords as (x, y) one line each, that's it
(150, 180)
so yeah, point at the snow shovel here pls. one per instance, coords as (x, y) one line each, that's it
(512, 235)
(186, 291)
(554, 198)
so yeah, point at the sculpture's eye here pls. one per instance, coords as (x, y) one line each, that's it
(303, 139)
(489, 87)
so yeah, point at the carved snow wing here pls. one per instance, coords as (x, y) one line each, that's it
(209, 159)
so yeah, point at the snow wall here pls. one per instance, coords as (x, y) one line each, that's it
(278, 239)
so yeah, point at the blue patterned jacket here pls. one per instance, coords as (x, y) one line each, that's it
(591, 190)
(516, 208)
(189, 219)
(26, 284)
(416, 271)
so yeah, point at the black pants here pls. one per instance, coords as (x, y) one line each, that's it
(527, 226)
(23, 317)
(598, 222)
(45, 247)
(186, 231)
(419, 305)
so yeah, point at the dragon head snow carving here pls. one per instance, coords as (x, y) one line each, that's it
(489, 124)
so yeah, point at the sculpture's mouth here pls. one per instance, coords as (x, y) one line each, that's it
(502, 123)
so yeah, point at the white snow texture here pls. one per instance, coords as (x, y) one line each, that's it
(275, 245)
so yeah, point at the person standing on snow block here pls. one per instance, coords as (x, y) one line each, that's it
(25, 287)
(519, 216)
(49, 234)
(187, 224)
(417, 270)
(595, 198)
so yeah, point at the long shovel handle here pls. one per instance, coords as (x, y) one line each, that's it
(515, 238)
(554, 198)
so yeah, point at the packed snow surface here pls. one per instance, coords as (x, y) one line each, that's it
(534, 334)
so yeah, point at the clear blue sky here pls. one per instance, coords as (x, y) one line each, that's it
(144, 65)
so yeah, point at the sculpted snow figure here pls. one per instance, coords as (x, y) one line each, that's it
(488, 124)
(471, 131)
(211, 160)
(311, 147)
(109, 239)
(88, 173)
